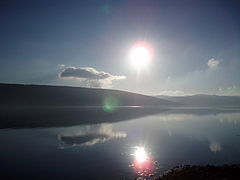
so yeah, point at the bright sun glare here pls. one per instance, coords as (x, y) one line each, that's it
(140, 154)
(140, 55)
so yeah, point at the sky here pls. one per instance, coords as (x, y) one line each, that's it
(195, 43)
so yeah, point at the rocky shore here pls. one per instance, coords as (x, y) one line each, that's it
(208, 172)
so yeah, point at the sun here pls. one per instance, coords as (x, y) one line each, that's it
(140, 55)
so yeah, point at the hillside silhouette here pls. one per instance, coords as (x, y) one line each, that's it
(41, 95)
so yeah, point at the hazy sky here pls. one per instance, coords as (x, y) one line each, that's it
(196, 44)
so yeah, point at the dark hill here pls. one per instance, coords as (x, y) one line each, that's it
(41, 95)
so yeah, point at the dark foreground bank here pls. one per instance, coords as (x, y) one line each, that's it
(209, 172)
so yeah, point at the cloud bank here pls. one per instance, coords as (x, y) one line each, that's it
(213, 63)
(172, 93)
(90, 76)
(229, 91)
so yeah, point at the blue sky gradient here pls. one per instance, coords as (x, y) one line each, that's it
(38, 36)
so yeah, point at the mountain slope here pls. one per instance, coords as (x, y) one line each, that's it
(39, 95)
(205, 100)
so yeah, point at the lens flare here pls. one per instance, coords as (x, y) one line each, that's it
(110, 104)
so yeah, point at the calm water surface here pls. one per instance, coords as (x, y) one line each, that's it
(106, 150)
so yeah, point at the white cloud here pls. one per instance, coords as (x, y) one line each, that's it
(99, 134)
(213, 63)
(61, 66)
(172, 93)
(90, 76)
(229, 91)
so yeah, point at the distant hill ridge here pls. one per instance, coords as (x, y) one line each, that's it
(43, 95)
(205, 100)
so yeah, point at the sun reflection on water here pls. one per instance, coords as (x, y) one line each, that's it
(140, 154)
(143, 164)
